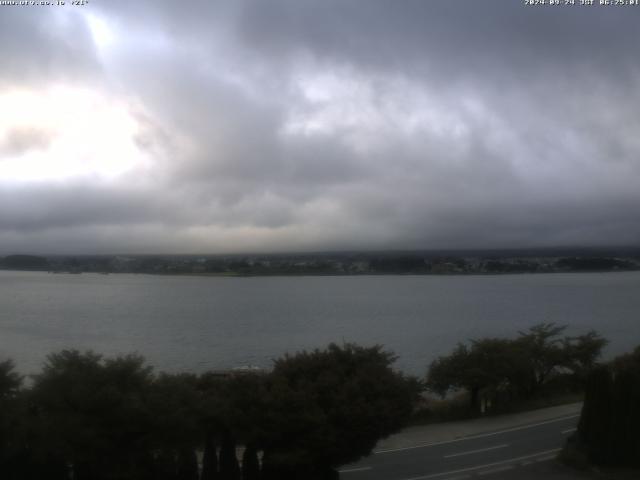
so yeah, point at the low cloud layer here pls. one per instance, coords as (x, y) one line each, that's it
(299, 125)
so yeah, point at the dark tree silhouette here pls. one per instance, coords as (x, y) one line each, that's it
(487, 365)
(93, 413)
(210, 459)
(330, 407)
(250, 463)
(10, 381)
(166, 465)
(514, 368)
(86, 417)
(610, 421)
(229, 467)
(12, 452)
(187, 464)
(595, 421)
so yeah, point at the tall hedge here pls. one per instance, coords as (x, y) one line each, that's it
(609, 427)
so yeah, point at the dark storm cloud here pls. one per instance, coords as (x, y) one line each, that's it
(34, 208)
(343, 124)
(449, 37)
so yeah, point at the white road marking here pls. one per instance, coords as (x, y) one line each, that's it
(482, 435)
(476, 451)
(568, 430)
(496, 470)
(359, 469)
(545, 459)
(486, 465)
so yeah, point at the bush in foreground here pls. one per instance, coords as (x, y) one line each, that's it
(90, 418)
(330, 407)
(608, 430)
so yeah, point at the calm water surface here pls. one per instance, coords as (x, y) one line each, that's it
(199, 323)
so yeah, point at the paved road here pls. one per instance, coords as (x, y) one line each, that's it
(479, 456)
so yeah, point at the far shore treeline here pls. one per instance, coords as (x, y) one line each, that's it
(89, 417)
(354, 263)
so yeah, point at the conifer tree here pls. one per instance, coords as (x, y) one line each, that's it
(250, 464)
(595, 422)
(210, 459)
(166, 466)
(187, 464)
(229, 467)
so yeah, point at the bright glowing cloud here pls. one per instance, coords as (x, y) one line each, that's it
(101, 31)
(65, 132)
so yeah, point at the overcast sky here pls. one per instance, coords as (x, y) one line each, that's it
(235, 126)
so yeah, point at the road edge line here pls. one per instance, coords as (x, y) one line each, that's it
(478, 467)
(480, 435)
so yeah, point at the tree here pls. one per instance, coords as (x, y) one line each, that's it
(514, 368)
(25, 262)
(229, 467)
(250, 463)
(209, 459)
(174, 402)
(582, 352)
(330, 407)
(544, 350)
(489, 365)
(187, 468)
(610, 421)
(448, 372)
(232, 410)
(10, 380)
(595, 420)
(92, 413)
(11, 420)
(92, 418)
(549, 354)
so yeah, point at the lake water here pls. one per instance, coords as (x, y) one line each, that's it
(199, 323)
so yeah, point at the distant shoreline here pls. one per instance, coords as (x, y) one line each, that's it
(353, 264)
(302, 274)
